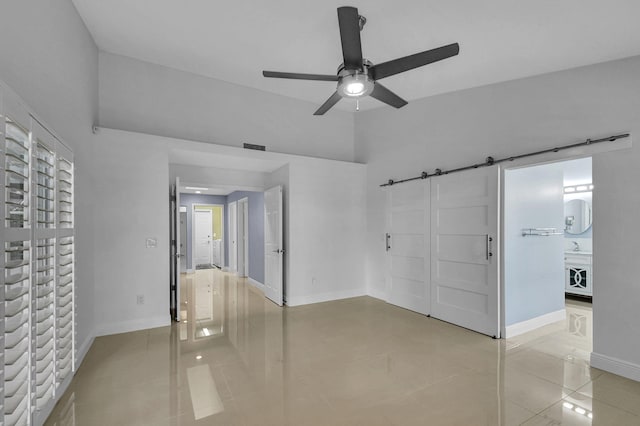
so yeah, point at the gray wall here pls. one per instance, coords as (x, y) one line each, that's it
(148, 98)
(534, 266)
(256, 232)
(189, 200)
(49, 58)
(514, 117)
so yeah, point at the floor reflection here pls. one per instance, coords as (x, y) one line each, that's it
(238, 359)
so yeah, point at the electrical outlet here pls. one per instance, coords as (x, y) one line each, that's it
(140, 299)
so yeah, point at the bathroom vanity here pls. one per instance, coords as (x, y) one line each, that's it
(578, 273)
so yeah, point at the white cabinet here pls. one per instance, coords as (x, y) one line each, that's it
(578, 273)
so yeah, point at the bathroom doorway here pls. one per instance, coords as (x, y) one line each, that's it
(548, 249)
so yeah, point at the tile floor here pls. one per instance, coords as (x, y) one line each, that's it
(237, 359)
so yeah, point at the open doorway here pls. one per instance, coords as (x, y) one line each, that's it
(205, 230)
(548, 249)
(208, 236)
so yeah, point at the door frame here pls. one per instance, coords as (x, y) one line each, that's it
(193, 240)
(243, 235)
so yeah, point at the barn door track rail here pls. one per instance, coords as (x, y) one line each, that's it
(490, 161)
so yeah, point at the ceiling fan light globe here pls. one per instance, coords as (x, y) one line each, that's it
(355, 86)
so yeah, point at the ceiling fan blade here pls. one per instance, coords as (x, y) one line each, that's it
(410, 62)
(385, 95)
(299, 76)
(349, 23)
(328, 104)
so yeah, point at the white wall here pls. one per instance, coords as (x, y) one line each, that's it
(515, 117)
(143, 97)
(50, 60)
(131, 179)
(533, 265)
(326, 231)
(616, 288)
(324, 203)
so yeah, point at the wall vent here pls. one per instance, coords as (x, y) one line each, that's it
(253, 146)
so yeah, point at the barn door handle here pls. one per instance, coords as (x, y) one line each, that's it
(388, 241)
(489, 252)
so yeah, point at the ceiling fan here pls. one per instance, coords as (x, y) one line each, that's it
(356, 76)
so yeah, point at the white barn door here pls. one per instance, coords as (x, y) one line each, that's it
(407, 244)
(464, 249)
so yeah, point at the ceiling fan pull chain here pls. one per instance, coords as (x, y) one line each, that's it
(357, 105)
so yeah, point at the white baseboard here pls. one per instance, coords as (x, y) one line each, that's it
(133, 325)
(534, 323)
(324, 297)
(190, 271)
(256, 284)
(616, 366)
(225, 269)
(378, 294)
(83, 349)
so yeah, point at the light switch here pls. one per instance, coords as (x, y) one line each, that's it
(151, 242)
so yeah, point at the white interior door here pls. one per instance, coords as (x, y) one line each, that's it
(273, 248)
(203, 232)
(182, 238)
(174, 285)
(233, 237)
(407, 245)
(179, 254)
(464, 249)
(242, 238)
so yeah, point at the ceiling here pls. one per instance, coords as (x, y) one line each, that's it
(234, 41)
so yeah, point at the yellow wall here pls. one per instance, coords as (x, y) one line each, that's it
(216, 214)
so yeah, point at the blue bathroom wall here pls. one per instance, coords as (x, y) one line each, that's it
(534, 265)
(256, 232)
(188, 200)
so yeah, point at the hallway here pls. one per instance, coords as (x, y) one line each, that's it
(238, 359)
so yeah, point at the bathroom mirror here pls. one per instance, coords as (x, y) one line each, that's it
(577, 216)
